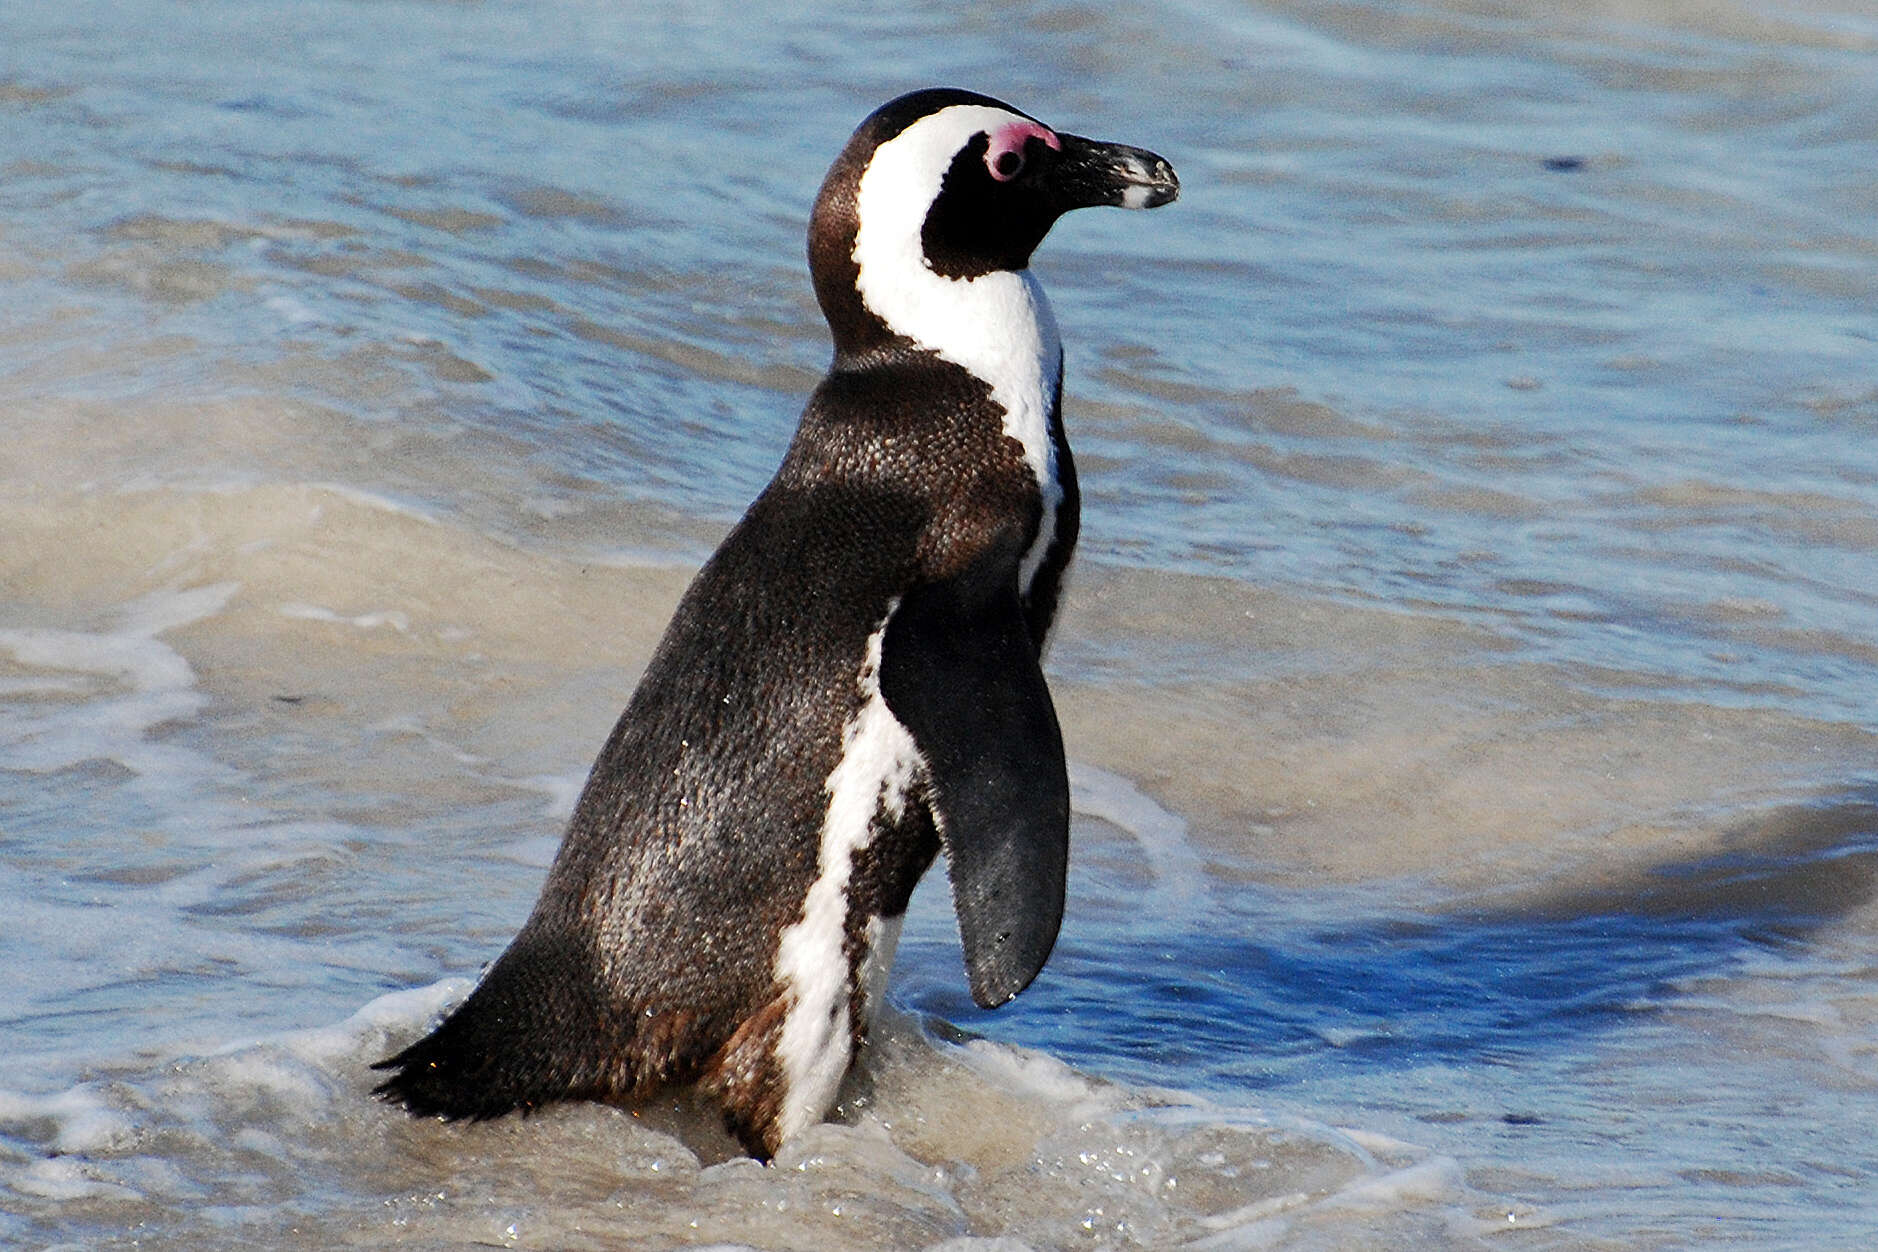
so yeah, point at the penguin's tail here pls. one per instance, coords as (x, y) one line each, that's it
(536, 1030)
(464, 1069)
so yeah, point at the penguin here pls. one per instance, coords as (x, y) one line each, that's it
(851, 684)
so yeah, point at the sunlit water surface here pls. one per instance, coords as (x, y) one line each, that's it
(1470, 676)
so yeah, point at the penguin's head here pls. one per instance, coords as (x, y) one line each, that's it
(956, 186)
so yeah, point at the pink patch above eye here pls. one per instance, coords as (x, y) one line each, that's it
(1009, 141)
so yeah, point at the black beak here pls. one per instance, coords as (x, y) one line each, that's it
(1087, 173)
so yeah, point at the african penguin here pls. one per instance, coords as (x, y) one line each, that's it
(851, 683)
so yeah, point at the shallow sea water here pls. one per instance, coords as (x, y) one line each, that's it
(1469, 674)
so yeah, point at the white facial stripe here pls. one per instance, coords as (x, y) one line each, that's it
(998, 326)
(878, 763)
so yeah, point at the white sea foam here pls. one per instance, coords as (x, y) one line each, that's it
(398, 621)
(562, 790)
(67, 1178)
(150, 685)
(974, 1147)
(79, 1119)
(367, 1030)
(1161, 836)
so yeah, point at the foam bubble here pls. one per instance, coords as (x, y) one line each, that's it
(66, 1178)
(76, 1120)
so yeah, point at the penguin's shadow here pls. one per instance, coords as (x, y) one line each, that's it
(1260, 988)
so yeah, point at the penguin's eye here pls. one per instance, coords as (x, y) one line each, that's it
(1005, 148)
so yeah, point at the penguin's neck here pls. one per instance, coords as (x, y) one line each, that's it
(1000, 329)
(997, 326)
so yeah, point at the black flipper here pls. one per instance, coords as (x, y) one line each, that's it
(959, 671)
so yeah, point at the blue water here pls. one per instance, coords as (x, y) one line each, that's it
(1480, 545)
